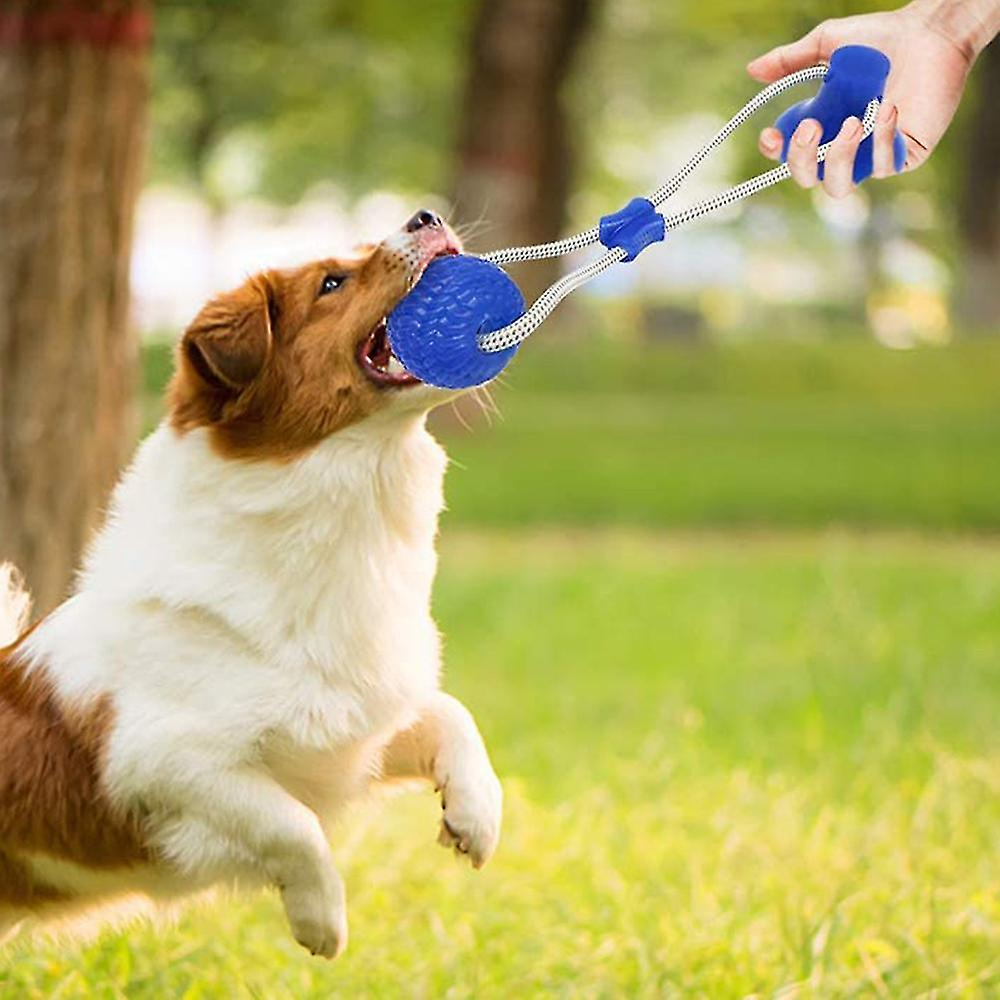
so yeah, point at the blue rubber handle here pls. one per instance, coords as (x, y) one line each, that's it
(857, 75)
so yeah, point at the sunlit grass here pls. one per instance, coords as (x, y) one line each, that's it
(734, 765)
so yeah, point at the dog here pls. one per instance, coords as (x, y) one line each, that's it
(249, 643)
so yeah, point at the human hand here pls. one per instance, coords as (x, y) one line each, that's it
(930, 64)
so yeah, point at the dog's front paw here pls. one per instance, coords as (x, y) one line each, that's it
(318, 922)
(473, 807)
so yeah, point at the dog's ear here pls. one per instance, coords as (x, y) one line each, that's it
(230, 339)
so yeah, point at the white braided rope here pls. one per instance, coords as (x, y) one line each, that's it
(761, 181)
(514, 333)
(511, 255)
(569, 244)
(769, 93)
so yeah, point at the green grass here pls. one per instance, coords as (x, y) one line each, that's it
(735, 765)
(754, 755)
(759, 434)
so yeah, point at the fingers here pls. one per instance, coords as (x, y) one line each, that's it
(770, 143)
(838, 174)
(802, 153)
(882, 140)
(785, 59)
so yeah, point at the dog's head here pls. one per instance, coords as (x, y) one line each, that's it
(290, 357)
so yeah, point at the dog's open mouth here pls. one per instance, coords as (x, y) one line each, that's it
(379, 363)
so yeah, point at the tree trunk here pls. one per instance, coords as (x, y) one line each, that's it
(73, 89)
(515, 155)
(979, 294)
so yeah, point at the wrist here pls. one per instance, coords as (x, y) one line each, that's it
(970, 25)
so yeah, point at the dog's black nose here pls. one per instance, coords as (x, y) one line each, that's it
(423, 219)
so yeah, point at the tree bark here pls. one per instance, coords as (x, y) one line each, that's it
(73, 91)
(515, 154)
(979, 280)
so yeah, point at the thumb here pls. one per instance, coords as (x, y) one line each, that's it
(785, 59)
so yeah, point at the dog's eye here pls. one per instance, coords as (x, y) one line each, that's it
(331, 283)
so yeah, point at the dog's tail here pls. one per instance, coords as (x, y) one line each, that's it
(15, 604)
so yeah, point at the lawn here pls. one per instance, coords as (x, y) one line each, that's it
(757, 434)
(734, 765)
(742, 692)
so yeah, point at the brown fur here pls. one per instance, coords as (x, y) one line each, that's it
(271, 367)
(19, 889)
(51, 799)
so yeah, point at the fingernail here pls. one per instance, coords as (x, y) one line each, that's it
(851, 128)
(808, 132)
(885, 113)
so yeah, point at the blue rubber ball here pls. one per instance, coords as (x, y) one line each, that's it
(433, 330)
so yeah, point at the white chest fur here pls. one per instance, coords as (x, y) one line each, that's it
(249, 609)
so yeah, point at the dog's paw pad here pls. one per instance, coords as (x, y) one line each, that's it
(471, 822)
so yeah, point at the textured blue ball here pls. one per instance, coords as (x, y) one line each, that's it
(433, 330)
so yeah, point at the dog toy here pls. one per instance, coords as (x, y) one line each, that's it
(464, 319)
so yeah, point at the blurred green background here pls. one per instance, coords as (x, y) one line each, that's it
(720, 572)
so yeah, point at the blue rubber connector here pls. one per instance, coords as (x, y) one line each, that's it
(632, 228)
(857, 74)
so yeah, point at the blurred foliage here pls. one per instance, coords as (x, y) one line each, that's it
(366, 94)
(257, 98)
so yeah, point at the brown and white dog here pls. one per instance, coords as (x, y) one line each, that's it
(249, 644)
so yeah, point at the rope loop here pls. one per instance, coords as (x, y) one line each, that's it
(523, 327)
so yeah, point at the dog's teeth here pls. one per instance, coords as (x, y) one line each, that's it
(394, 367)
